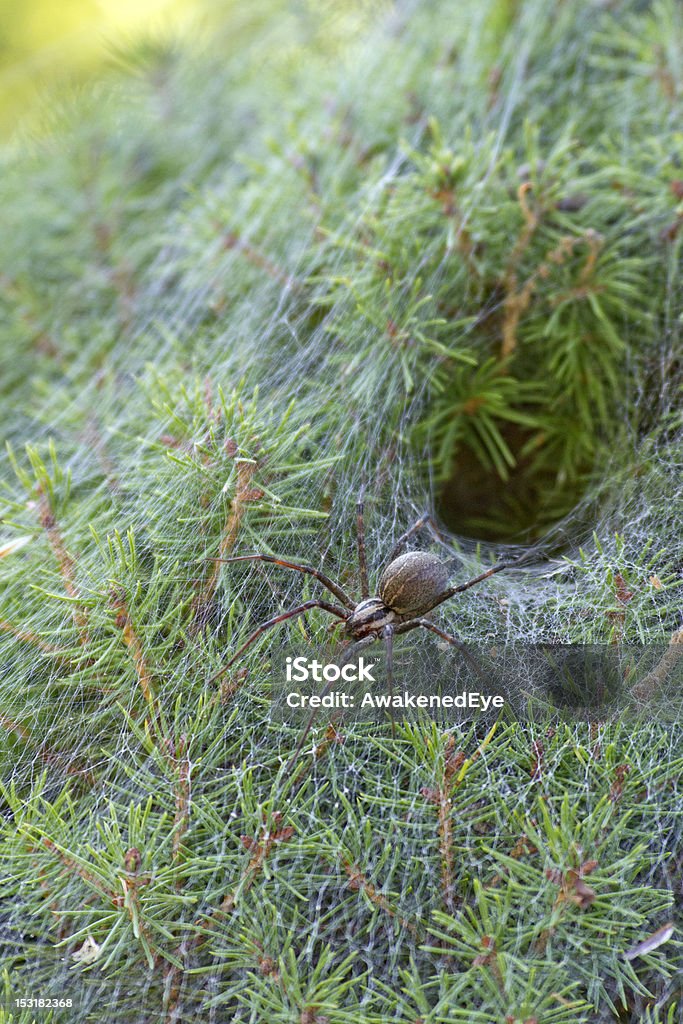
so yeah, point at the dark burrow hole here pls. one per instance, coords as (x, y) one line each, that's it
(476, 502)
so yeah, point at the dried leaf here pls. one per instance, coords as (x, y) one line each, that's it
(657, 938)
(624, 595)
(8, 547)
(583, 894)
(88, 953)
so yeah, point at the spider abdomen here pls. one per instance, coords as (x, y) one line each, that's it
(413, 583)
(369, 616)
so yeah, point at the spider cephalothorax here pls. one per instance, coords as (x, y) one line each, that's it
(369, 618)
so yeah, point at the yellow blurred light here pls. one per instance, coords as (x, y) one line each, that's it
(43, 42)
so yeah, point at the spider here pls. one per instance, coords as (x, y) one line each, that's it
(410, 586)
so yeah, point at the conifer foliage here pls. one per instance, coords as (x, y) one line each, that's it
(428, 250)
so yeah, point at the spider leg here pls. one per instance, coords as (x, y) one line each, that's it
(301, 609)
(360, 539)
(426, 520)
(479, 579)
(333, 587)
(388, 634)
(405, 627)
(450, 591)
(349, 652)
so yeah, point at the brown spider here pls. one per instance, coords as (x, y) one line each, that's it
(410, 586)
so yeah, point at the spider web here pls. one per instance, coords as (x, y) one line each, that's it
(223, 368)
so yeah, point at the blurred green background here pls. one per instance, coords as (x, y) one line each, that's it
(52, 46)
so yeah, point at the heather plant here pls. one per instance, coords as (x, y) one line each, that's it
(429, 252)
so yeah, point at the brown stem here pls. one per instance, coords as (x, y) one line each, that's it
(78, 869)
(441, 797)
(517, 299)
(182, 802)
(231, 240)
(358, 882)
(244, 494)
(67, 566)
(134, 645)
(32, 638)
